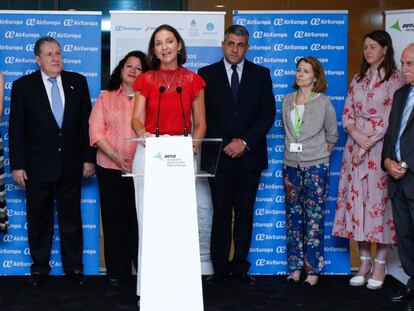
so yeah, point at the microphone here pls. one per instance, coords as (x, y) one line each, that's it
(157, 129)
(179, 91)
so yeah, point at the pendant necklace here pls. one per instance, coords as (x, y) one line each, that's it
(168, 84)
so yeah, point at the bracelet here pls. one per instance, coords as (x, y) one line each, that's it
(195, 150)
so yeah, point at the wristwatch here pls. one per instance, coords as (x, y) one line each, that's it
(404, 165)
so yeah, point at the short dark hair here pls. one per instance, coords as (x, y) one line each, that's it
(153, 61)
(320, 84)
(41, 41)
(383, 38)
(115, 79)
(237, 30)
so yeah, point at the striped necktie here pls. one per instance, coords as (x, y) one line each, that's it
(57, 106)
(406, 115)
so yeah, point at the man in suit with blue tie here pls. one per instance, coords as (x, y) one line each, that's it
(240, 109)
(398, 161)
(49, 154)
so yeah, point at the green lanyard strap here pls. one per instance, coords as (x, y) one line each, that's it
(298, 118)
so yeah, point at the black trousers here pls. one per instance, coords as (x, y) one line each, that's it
(40, 197)
(403, 213)
(119, 222)
(233, 189)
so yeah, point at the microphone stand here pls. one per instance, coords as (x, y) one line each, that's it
(179, 90)
(157, 128)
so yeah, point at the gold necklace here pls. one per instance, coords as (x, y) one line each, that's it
(168, 84)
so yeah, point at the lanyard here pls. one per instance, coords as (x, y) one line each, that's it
(299, 116)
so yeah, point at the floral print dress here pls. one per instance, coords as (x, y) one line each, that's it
(363, 210)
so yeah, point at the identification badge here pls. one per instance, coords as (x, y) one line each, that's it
(295, 147)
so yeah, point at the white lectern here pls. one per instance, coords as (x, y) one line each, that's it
(169, 272)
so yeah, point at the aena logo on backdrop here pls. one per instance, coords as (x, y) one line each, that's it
(405, 26)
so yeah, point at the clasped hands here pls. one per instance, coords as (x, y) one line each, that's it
(364, 141)
(236, 148)
(394, 168)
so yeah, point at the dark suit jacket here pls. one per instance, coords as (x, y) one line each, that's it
(36, 142)
(250, 118)
(406, 143)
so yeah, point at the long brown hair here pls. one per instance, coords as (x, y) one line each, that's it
(384, 39)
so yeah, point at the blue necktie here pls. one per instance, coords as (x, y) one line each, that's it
(57, 106)
(234, 81)
(406, 115)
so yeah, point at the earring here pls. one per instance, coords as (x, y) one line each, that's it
(179, 51)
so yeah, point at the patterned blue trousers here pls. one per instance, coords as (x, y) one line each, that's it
(305, 196)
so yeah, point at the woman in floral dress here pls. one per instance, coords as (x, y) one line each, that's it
(363, 211)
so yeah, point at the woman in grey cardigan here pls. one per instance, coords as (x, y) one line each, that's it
(310, 134)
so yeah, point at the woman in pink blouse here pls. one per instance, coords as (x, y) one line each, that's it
(109, 125)
(363, 211)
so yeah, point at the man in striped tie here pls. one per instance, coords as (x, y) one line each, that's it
(398, 161)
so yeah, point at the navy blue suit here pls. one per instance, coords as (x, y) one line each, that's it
(235, 184)
(53, 159)
(401, 191)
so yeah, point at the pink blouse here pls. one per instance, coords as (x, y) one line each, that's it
(111, 120)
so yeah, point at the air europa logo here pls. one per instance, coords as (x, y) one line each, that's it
(7, 263)
(30, 21)
(241, 21)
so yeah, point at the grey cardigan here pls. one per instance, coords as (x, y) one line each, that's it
(319, 128)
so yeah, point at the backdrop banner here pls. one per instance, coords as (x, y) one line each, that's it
(202, 33)
(79, 34)
(400, 25)
(277, 40)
